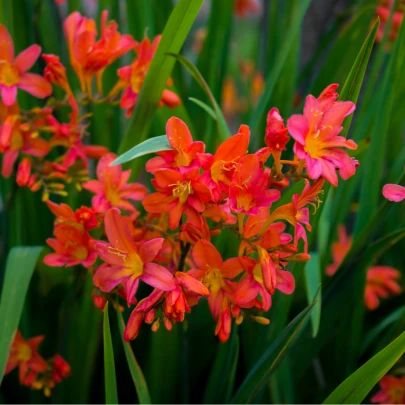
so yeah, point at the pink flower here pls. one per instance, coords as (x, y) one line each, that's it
(13, 71)
(128, 263)
(316, 135)
(394, 192)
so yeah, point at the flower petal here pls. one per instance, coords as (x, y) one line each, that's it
(35, 85)
(191, 284)
(149, 249)
(158, 276)
(117, 231)
(178, 134)
(6, 45)
(26, 59)
(205, 254)
(9, 95)
(394, 192)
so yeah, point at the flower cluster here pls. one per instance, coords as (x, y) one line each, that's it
(34, 371)
(381, 281)
(52, 154)
(197, 196)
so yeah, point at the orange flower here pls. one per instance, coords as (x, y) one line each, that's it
(178, 193)
(339, 250)
(112, 188)
(23, 354)
(89, 57)
(13, 72)
(392, 391)
(214, 273)
(381, 282)
(131, 78)
(185, 150)
(55, 72)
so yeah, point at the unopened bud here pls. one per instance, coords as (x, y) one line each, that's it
(239, 320)
(150, 316)
(155, 326)
(260, 319)
(300, 257)
(168, 324)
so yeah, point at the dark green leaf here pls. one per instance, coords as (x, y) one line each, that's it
(136, 372)
(356, 387)
(205, 107)
(111, 395)
(270, 360)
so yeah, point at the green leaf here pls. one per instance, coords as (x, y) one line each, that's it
(222, 377)
(173, 37)
(111, 395)
(151, 145)
(136, 372)
(354, 81)
(270, 360)
(19, 268)
(274, 74)
(205, 107)
(223, 129)
(371, 185)
(374, 333)
(356, 387)
(313, 283)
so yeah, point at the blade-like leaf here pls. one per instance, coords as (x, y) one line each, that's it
(313, 279)
(152, 145)
(354, 81)
(270, 359)
(356, 387)
(111, 395)
(223, 129)
(136, 372)
(275, 72)
(173, 37)
(19, 268)
(205, 107)
(222, 377)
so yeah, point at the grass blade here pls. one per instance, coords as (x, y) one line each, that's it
(313, 280)
(356, 387)
(173, 37)
(136, 372)
(19, 268)
(111, 395)
(271, 358)
(223, 129)
(205, 107)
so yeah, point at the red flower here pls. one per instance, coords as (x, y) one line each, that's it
(23, 354)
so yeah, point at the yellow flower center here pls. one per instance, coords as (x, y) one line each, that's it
(181, 190)
(213, 280)
(313, 145)
(24, 352)
(9, 75)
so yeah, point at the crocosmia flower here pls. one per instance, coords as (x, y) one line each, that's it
(381, 282)
(185, 150)
(392, 391)
(88, 56)
(23, 354)
(127, 262)
(245, 7)
(112, 188)
(316, 133)
(13, 71)
(131, 78)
